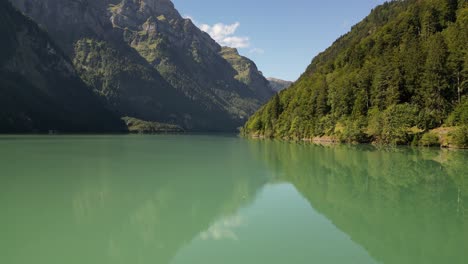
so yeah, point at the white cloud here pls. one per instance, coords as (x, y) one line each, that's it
(224, 35)
(236, 42)
(224, 229)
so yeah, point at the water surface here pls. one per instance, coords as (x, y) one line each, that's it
(223, 199)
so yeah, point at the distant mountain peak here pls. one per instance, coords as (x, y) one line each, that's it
(158, 7)
(278, 84)
(248, 73)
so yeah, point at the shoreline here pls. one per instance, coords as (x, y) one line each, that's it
(329, 140)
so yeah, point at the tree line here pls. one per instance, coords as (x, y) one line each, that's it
(396, 75)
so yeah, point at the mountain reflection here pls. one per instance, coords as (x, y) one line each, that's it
(401, 205)
(169, 199)
(125, 203)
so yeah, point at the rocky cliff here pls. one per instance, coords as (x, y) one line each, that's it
(248, 73)
(148, 62)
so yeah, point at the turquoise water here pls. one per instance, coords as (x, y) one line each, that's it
(223, 199)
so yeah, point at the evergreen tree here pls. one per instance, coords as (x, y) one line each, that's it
(402, 70)
(275, 108)
(435, 86)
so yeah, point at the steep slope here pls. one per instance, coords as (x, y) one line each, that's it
(400, 71)
(39, 88)
(133, 88)
(248, 73)
(279, 85)
(147, 61)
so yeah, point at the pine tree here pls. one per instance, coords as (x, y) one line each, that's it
(275, 108)
(435, 85)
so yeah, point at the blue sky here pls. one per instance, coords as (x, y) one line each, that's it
(281, 37)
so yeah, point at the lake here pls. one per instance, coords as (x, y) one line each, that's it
(222, 199)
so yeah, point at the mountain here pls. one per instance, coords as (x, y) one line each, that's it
(279, 85)
(400, 72)
(248, 74)
(39, 87)
(148, 62)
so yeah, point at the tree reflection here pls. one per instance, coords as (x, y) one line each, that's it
(402, 205)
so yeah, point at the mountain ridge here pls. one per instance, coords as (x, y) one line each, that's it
(172, 73)
(278, 85)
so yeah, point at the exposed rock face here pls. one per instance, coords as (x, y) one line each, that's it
(39, 87)
(279, 85)
(149, 7)
(162, 67)
(68, 20)
(248, 73)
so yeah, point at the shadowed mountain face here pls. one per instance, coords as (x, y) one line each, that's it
(150, 63)
(39, 87)
(402, 206)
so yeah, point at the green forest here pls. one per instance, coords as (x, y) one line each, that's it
(395, 77)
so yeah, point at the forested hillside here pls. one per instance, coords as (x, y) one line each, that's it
(399, 73)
